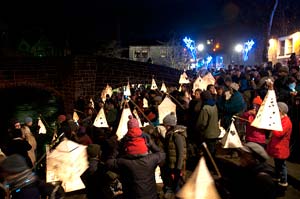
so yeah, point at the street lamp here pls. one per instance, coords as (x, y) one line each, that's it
(239, 48)
(200, 47)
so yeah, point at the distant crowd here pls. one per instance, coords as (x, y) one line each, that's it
(125, 167)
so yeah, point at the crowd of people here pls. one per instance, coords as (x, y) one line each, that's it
(125, 168)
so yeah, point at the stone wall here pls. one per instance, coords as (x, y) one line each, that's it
(71, 77)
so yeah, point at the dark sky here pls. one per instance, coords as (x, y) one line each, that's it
(86, 21)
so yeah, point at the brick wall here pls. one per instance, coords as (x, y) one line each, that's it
(71, 77)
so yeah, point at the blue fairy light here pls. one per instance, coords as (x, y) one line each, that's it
(247, 47)
(190, 44)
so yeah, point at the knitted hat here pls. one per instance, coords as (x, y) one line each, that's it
(93, 150)
(61, 118)
(28, 119)
(14, 164)
(170, 120)
(283, 107)
(257, 100)
(132, 123)
(259, 152)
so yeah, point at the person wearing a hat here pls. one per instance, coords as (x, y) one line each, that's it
(135, 141)
(207, 126)
(95, 178)
(30, 138)
(176, 154)
(137, 173)
(281, 85)
(254, 134)
(231, 104)
(279, 145)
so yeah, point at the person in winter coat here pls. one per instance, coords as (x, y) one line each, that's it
(18, 145)
(95, 177)
(232, 103)
(30, 138)
(175, 148)
(278, 146)
(134, 142)
(207, 124)
(254, 134)
(137, 174)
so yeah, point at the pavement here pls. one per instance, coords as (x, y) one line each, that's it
(291, 192)
(293, 173)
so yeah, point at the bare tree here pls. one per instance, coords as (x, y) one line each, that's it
(177, 57)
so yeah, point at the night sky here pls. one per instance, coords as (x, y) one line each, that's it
(87, 21)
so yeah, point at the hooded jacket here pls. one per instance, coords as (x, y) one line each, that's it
(207, 123)
(175, 147)
(278, 147)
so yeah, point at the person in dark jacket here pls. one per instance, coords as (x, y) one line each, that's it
(95, 177)
(137, 175)
(207, 124)
(18, 145)
(281, 85)
(176, 154)
(232, 104)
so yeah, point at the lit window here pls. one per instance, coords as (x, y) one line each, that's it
(137, 54)
(289, 49)
(163, 53)
(282, 46)
(144, 53)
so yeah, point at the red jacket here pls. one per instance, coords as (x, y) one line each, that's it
(134, 142)
(254, 134)
(279, 145)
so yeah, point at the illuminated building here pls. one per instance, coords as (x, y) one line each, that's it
(281, 48)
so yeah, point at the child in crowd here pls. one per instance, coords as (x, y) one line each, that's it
(254, 134)
(134, 143)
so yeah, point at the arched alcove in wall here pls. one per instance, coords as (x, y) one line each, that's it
(18, 102)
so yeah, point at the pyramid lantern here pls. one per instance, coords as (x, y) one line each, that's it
(136, 115)
(184, 78)
(92, 104)
(268, 116)
(42, 129)
(163, 87)
(100, 120)
(122, 127)
(106, 91)
(153, 85)
(75, 116)
(145, 103)
(127, 91)
(208, 79)
(200, 185)
(165, 108)
(197, 84)
(231, 138)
